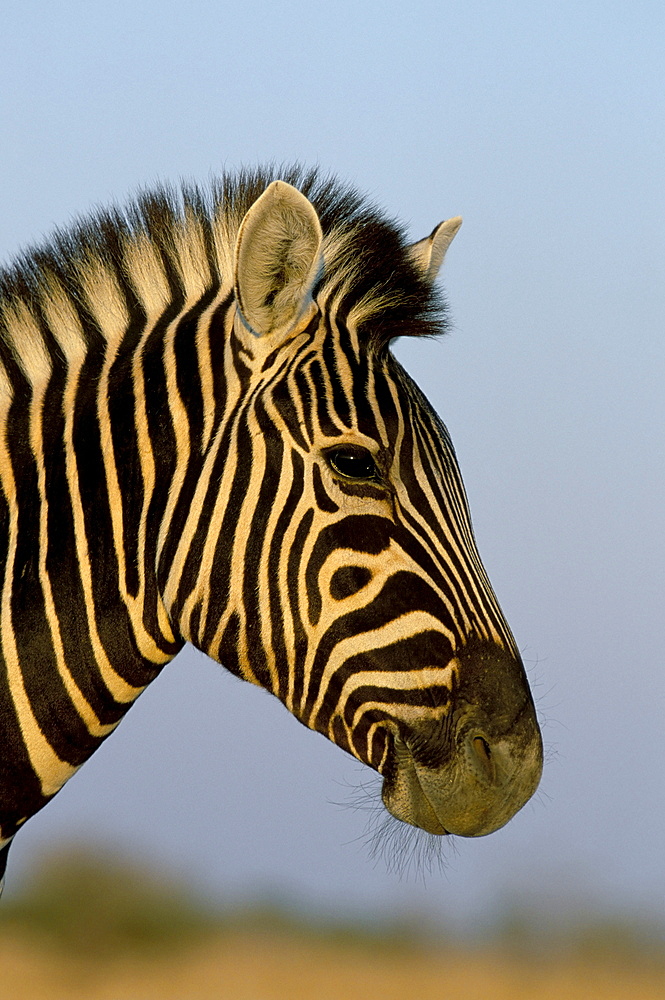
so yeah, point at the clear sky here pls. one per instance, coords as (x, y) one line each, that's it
(542, 124)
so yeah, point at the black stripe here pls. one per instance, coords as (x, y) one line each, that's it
(293, 574)
(402, 593)
(275, 595)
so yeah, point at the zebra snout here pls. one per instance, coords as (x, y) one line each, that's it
(475, 792)
(469, 772)
(489, 778)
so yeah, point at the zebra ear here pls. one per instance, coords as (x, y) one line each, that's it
(277, 260)
(428, 254)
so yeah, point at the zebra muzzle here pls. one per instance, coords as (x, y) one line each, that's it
(471, 773)
(483, 785)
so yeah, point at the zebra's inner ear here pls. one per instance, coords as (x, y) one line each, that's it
(428, 254)
(277, 260)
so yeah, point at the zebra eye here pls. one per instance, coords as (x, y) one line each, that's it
(352, 462)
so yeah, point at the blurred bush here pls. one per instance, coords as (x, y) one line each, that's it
(575, 933)
(96, 905)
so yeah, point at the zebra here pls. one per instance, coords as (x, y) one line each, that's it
(206, 439)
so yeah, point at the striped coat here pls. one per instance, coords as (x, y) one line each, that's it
(206, 439)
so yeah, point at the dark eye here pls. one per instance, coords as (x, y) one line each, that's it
(352, 462)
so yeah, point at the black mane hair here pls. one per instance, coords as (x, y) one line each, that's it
(367, 264)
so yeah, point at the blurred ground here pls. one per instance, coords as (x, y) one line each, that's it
(91, 928)
(277, 967)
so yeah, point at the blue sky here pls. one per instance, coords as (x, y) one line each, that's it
(543, 126)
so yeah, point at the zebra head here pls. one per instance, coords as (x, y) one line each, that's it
(335, 563)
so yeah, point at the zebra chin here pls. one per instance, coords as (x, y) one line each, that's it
(469, 775)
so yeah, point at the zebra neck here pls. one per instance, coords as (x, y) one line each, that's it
(83, 628)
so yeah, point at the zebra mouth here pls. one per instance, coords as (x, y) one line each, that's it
(403, 794)
(477, 788)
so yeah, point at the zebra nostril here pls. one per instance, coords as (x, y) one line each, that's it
(482, 755)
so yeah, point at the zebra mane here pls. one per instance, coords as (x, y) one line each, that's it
(181, 240)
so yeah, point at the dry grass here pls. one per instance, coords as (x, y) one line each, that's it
(286, 966)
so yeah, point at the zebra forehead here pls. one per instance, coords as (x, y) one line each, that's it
(186, 238)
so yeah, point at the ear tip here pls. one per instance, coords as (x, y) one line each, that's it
(280, 195)
(452, 225)
(281, 189)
